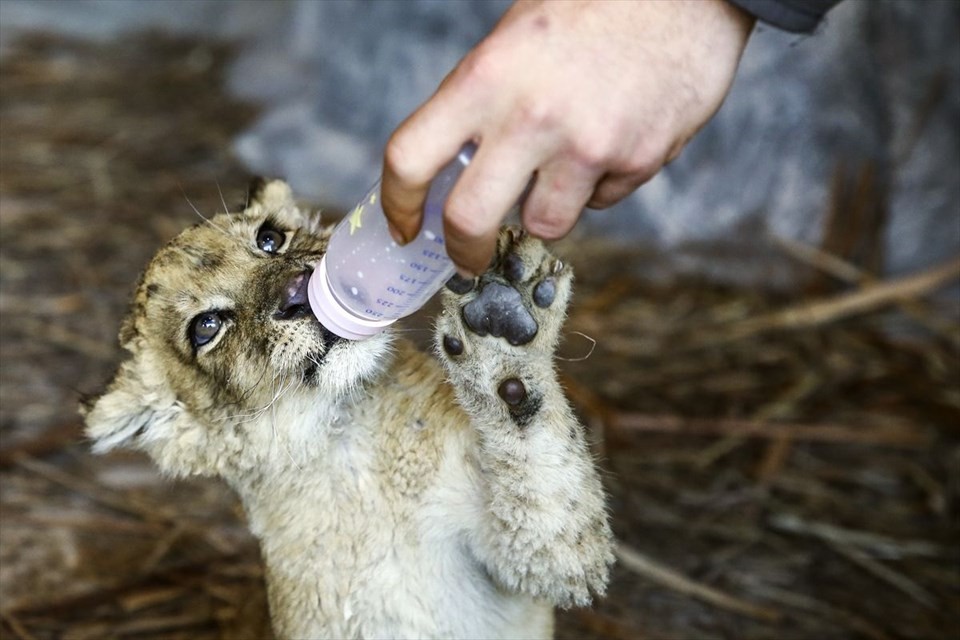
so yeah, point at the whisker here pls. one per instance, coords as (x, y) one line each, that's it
(279, 440)
(226, 209)
(246, 394)
(202, 217)
(259, 412)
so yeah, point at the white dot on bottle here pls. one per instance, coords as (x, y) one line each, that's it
(359, 274)
(354, 291)
(430, 235)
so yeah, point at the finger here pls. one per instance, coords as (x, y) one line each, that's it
(481, 199)
(615, 187)
(558, 198)
(416, 152)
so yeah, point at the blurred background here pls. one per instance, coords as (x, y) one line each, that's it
(764, 345)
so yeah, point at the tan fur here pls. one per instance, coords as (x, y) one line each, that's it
(393, 495)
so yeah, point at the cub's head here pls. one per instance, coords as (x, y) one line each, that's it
(228, 368)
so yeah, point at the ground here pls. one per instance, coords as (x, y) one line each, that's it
(772, 474)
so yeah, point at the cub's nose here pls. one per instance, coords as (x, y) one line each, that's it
(293, 298)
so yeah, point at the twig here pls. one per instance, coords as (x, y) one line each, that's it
(888, 575)
(840, 616)
(155, 624)
(17, 627)
(704, 459)
(128, 504)
(665, 576)
(821, 259)
(91, 522)
(843, 270)
(774, 459)
(150, 597)
(819, 312)
(92, 597)
(95, 492)
(880, 545)
(889, 437)
(162, 547)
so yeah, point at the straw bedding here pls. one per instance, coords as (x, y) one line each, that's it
(781, 464)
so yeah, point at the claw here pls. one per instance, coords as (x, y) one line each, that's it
(557, 266)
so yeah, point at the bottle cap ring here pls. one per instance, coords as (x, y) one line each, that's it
(331, 313)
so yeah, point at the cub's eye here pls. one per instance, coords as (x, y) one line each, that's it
(205, 328)
(269, 240)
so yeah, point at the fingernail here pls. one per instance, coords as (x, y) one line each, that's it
(395, 234)
(463, 272)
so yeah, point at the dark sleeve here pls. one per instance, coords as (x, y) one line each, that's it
(799, 16)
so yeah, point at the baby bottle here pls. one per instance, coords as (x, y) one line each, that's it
(366, 281)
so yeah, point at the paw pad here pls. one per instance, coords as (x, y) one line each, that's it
(545, 292)
(453, 346)
(513, 267)
(460, 285)
(521, 404)
(512, 391)
(498, 311)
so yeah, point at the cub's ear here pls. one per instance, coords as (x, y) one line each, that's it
(269, 194)
(127, 412)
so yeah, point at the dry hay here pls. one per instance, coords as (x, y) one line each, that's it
(780, 466)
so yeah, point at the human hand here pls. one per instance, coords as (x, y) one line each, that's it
(590, 97)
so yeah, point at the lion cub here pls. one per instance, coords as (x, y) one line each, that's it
(393, 496)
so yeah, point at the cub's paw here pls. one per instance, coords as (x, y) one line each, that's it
(497, 332)
(522, 298)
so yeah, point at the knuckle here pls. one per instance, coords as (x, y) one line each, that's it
(477, 69)
(602, 199)
(593, 152)
(402, 163)
(534, 113)
(644, 161)
(548, 224)
(598, 148)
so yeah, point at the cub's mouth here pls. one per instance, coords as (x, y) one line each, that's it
(295, 306)
(313, 361)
